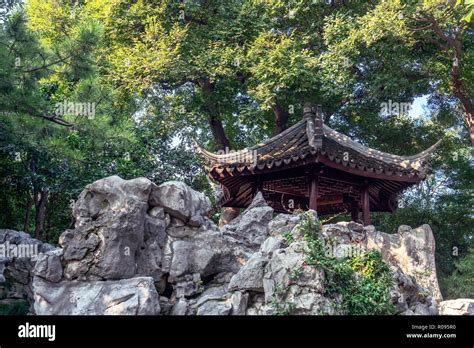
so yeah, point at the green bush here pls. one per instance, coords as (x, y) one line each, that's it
(16, 308)
(364, 282)
(461, 283)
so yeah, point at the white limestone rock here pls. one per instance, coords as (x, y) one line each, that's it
(134, 296)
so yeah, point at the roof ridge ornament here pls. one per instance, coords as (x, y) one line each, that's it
(314, 126)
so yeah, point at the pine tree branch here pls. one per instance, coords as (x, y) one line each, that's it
(46, 66)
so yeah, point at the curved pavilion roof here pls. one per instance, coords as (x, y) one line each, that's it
(310, 138)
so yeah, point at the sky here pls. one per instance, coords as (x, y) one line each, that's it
(417, 111)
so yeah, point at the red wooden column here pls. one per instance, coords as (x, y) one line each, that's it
(313, 192)
(354, 210)
(365, 205)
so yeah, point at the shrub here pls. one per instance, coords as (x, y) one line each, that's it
(363, 282)
(16, 308)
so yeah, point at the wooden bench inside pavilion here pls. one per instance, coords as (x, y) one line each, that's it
(311, 166)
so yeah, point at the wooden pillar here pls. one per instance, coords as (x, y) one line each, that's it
(354, 210)
(313, 192)
(257, 186)
(365, 205)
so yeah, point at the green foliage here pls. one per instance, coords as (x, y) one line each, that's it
(461, 283)
(144, 64)
(39, 155)
(370, 294)
(288, 237)
(469, 9)
(281, 307)
(362, 282)
(311, 226)
(19, 307)
(296, 273)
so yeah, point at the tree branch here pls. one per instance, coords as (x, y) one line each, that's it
(45, 66)
(32, 112)
(190, 19)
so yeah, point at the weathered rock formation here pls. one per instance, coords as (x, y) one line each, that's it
(130, 229)
(134, 296)
(18, 254)
(139, 248)
(412, 250)
(460, 306)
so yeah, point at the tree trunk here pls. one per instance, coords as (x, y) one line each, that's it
(220, 139)
(457, 87)
(40, 212)
(468, 110)
(458, 90)
(221, 142)
(26, 220)
(281, 118)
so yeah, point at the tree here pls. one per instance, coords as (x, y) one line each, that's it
(452, 35)
(242, 63)
(44, 149)
(417, 47)
(461, 283)
(231, 73)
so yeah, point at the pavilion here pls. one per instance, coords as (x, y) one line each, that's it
(311, 166)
